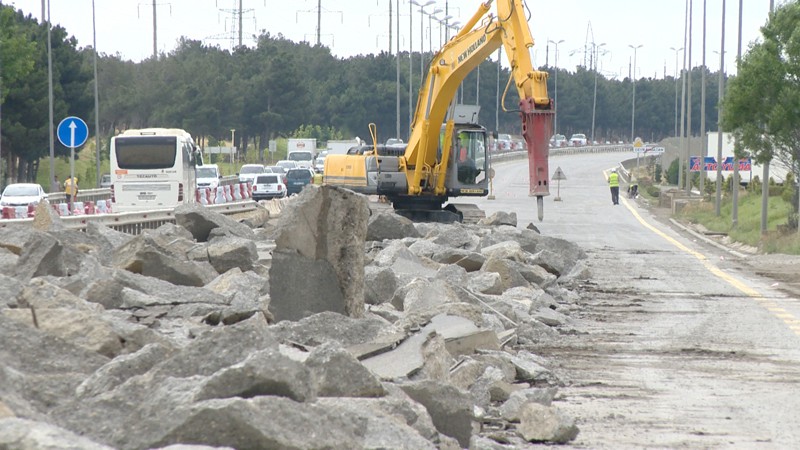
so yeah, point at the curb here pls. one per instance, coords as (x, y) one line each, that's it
(707, 240)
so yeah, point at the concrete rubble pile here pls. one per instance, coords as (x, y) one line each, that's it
(326, 327)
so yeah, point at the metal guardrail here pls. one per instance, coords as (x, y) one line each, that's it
(136, 222)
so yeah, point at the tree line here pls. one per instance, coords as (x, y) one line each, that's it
(280, 88)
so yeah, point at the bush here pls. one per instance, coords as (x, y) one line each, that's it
(653, 191)
(672, 172)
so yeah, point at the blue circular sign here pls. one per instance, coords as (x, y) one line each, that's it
(72, 132)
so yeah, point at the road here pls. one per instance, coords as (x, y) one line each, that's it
(675, 343)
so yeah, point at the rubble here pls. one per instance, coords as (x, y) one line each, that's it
(323, 328)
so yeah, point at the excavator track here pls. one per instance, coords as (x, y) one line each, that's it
(454, 212)
(470, 213)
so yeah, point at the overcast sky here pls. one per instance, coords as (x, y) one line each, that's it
(351, 27)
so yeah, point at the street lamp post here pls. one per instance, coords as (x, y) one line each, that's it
(422, 7)
(555, 116)
(633, 101)
(676, 50)
(594, 99)
(430, 28)
(233, 143)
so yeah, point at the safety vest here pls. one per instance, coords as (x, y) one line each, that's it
(613, 179)
(68, 186)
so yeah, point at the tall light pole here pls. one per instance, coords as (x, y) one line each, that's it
(689, 104)
(422, 7)
(97, 146)
(53, 184)
(704, 146)
(555, 116)
(676, 50)
(594, 97)
(397, 66)
(430, 28)
(633, 101)
(410, 68)
(736, 146)
(718, 200)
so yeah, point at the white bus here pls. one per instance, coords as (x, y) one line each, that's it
(153, 168)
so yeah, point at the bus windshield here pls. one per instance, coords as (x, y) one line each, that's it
(151, 152)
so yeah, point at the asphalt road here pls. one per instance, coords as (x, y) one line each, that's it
(674, 343)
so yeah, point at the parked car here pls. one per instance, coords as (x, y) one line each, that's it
(105, 180)
(22, 194)
(248, 172)
(268, 186)
(578, 140)
(298, 179)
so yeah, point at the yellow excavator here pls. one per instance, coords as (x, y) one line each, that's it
(447, 152)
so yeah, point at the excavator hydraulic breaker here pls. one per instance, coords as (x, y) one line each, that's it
(537, 127)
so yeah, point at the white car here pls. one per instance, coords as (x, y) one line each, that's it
(248, 172)
(287, 164)
(22, 194)
(268, 186)
(208, 176)
(578, 140)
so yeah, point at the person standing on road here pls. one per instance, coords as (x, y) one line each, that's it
(71, 189)
(613, 183)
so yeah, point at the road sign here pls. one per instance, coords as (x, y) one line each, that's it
(559, 175)
(72, 132)
(655, 150)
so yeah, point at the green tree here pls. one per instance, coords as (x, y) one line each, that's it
(762, 104)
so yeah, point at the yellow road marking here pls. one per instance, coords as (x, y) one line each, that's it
(778, 312)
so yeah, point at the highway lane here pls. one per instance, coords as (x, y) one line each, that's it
(674, 343)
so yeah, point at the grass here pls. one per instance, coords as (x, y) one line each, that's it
(778, 238)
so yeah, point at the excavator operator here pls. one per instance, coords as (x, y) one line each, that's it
(467, 170)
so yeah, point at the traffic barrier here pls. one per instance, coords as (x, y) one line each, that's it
(236, 192)
(9, 212)
(220, 196)
(31, 210)
(89, 208)
(77, 208)
(228, 189)
(62, 209)
(101, 207)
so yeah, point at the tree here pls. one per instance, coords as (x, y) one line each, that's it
(762, 104)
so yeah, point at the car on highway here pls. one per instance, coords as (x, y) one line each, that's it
(578, 140)
(22, 194)
(298, 179)
(558, 140)
(248, 172)
(105, 180)
(319, 163)
(287, 164)
(267, 186)
(208, 176)
(277, 169)
(504, 142)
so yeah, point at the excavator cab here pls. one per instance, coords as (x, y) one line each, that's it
(469, 165)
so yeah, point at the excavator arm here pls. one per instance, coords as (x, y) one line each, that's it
(476, 41)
